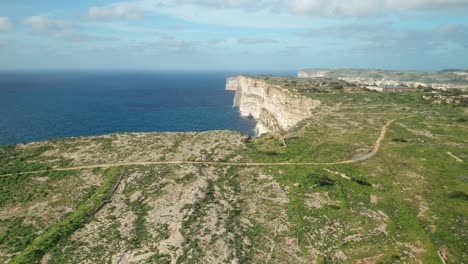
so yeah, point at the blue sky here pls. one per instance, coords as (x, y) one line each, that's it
(233, 34)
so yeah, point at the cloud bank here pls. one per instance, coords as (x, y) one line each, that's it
(296, 13)
(365, 8)
(5, 24)
(322, 8)
(114, 11)
(423, 34)
(58, 28)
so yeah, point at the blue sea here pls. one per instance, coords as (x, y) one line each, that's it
(45, 105)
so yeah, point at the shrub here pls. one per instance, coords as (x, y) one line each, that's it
(334, 206)
(389, 259)
(269, 153)
(361, 182)
(337, 87)
(247, 140)
(325, 260)
(399, 140)
(458, 195)
(324, 181)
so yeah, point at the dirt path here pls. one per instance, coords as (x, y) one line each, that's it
(444, 125)
(381, 137)
(374, 151)
(342, 175)
(455, 157)
(376, 147)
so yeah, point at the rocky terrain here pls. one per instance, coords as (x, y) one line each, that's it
(366, 178)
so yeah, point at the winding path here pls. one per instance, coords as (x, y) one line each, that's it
(376, 147)
(374, 151)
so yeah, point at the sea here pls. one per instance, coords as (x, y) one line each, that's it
(42, 105)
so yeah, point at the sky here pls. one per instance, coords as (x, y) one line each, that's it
(276, 35)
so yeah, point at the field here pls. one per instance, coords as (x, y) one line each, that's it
(224, 197)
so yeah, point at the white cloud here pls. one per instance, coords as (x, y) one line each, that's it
(386, 38)
(247, 5)
(114, 11)
(58, 28)
(45, 24)
(256, 41)
(319, 8)
(424, 4)
(256, 14)
(293, 13)
(335, 8)
(5, 24)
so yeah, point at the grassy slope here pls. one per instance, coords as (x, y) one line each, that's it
(30, 204)
(71, 222)
(412, 180)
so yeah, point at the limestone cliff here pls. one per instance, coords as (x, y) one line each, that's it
(275, 108)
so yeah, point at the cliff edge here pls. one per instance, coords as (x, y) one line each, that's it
(274, 107)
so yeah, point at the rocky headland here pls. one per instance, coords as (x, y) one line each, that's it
(275, 108)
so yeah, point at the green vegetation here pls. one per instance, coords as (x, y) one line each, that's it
(17, 235)
(404, 177)
(32, 203)
(62, 230)
(323, 180)
(406, 204)
(301, 85)
(458, 195)
(14, 160)
(20, 188)
(361, 181)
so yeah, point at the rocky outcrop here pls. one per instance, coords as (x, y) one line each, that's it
(275, 108)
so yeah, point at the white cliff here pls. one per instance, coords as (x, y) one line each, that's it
(275, 108)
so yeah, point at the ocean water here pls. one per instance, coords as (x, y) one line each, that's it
(46, 105)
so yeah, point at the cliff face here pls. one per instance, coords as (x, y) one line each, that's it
(275, 108)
